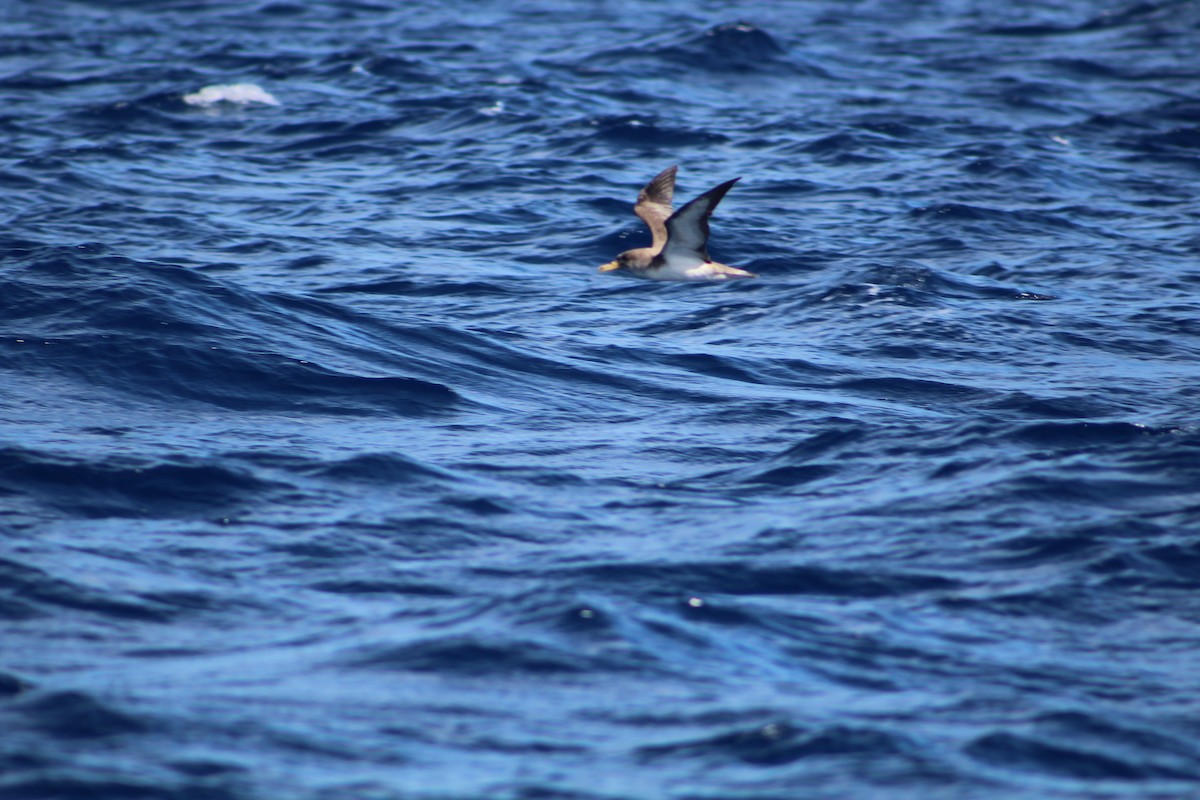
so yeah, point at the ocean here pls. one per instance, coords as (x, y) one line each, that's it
(331, 468)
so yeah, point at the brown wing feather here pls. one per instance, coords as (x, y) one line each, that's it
(687, 228)
(654, 205)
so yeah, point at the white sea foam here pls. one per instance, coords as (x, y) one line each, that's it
(240, 93)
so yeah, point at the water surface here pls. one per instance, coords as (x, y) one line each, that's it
(331, 468)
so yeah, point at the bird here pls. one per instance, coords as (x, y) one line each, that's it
(678, 248)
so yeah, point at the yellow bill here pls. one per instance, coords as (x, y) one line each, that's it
(610, 266)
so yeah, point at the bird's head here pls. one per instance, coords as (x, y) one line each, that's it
(621, 261)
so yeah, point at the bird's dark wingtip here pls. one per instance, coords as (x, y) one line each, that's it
(718, 191)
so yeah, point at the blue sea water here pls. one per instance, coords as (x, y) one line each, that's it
(330, 467)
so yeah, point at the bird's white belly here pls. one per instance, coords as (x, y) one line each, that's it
(681, 268)
(689, 270)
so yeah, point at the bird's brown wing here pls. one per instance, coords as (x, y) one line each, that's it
(654, 205)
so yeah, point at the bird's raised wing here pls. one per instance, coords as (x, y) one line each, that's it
(687, 228)
(654, 205)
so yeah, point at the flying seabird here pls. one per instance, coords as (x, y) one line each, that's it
(678, 248)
